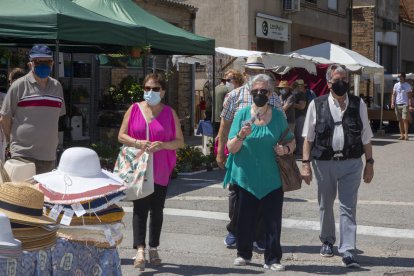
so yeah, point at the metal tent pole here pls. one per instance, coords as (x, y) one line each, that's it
(213, 96)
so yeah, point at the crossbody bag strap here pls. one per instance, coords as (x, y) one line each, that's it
(283, 136)
(146, 122)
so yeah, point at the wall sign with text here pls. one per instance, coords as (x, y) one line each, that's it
(272, 29)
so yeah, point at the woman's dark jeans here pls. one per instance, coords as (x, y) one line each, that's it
(153, 204)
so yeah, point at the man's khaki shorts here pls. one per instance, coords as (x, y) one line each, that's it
(401, 111)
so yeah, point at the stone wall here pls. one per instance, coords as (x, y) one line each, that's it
(409, 8)
(363, 32)
(184, 97)
(363, 37)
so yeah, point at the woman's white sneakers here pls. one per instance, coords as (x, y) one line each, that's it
(275, 267)
(239, 261)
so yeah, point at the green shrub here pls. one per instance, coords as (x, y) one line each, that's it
(190, 159)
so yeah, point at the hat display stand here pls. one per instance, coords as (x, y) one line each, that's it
(82, 198)
(77, 216)
(86, 209)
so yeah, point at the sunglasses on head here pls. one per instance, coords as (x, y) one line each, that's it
(155, 88)
(260, 91)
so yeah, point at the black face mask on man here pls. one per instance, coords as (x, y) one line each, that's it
(260, 99)
(340, 87)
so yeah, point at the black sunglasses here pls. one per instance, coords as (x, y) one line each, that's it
(155, 88)
(37, 62)
(260, 91)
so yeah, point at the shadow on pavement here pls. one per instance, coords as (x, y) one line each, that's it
(386, 261)
(382, 143)
(188, 183)
(324, 270)
(289, 199)
(193, 269)
(312, 249)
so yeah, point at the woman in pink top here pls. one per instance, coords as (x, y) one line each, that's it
(165, 136)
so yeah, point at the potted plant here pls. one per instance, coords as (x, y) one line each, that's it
(128, 92)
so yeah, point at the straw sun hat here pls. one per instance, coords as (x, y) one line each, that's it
(22, 202)
(283, 84)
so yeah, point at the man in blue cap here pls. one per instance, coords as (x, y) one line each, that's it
(31, 111)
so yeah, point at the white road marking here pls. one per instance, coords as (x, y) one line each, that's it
(294, 223)
(299, 200)
(206, 185)
(363, 202)
(198, 198)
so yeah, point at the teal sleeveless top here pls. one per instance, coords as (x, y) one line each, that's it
(254, 166)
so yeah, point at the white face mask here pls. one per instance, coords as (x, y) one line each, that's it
(152, 97)
(229, 85)
(283, 91)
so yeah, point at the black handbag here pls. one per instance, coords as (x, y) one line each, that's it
(289, 171)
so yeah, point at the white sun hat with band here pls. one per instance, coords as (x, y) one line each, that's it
(23, 203)
(254, 62)
(79, 176)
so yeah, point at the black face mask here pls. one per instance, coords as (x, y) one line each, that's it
(340, 87)
(260, 100)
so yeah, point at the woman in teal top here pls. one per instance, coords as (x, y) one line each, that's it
(252, 143)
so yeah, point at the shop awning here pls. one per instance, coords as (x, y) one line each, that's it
(162, 36)
(108, 26)
(47, 21)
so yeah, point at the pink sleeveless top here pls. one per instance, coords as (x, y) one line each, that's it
(161, 128)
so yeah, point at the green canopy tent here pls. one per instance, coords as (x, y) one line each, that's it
(163, 37)
(106, 27)
(24, 22)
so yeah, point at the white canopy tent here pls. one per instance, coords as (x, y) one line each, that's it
(353, 61)
(271, 61)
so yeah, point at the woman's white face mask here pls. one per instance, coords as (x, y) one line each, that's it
(152, 97)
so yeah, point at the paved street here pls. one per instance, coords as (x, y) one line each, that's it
(196, 215)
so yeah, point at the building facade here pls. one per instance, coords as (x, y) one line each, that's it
(274, 26)
(383, 31)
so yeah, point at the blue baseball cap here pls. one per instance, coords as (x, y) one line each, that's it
(40, 51)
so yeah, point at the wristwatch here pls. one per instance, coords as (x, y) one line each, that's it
(370, 161)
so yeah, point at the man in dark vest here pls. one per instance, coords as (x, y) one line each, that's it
(337, 133)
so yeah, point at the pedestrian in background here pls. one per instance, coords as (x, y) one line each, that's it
(256, 173)
(232, 79)
(288, 102)
(300, 113)
(401, 100)
(31, 110)
(234, 101)
(165, 136)
(337, 133)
